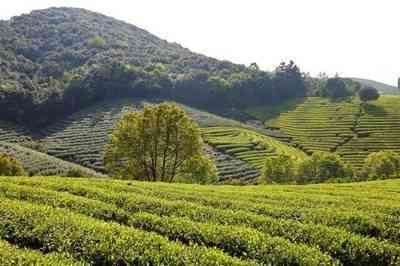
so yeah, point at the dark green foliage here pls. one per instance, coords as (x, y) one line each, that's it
(288, 81)
(58, 60)
(335, 88)
(368, 94)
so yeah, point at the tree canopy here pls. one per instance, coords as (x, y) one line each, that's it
(55, 61)
(368, 94)
(382, 164)
(321, 166)
(279, 169)
(155, 144)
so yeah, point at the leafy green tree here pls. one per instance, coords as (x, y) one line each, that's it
(288, 81)
(382, 164)
(335, 88)
(321, 166)
(279, 169)
(153, 144)
(199, 169)
(10, 166)
(368, 94)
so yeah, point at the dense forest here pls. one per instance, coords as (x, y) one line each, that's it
(56, 61)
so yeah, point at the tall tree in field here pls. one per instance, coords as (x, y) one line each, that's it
(288, 81)
(153, 144)
(368, 94)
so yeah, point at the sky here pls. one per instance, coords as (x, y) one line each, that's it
(354, 38)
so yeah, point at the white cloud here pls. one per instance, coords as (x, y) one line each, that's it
(353, 38)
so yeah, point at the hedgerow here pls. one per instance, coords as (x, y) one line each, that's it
(236, 240)
(11, 255)
(98, 242)
(345, 246)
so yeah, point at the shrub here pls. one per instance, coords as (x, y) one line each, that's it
(199, 169)
(383, 164)
(279, 169)
(10, 166)
(321, 166)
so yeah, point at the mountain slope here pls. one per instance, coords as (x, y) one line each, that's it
(56, 61)
(44, 55)
(345, 127)
(40, 164)
(81, 138)
(381, 87)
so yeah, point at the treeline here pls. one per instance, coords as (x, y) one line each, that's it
(201, 88)
(325, 166)
(56, 61)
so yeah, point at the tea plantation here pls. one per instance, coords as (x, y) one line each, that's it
(81, 138)
(348, 128)
(66, 221)
(247, 145)
(37, 163)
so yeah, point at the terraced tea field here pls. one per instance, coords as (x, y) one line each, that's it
(108, 222)
(247, 145)
(82, 137)
(344, 127)
(378, 128)
(13, 133)
(37, 163)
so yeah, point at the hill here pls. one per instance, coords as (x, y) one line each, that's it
(135, 223)
(383, 88)
(56, 61)
(81, 138)
(40, 164)
(344, 127)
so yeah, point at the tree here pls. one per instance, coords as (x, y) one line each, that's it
(382, 164)
(288, 81)
(335, 89)
(279, 169)
(199, 169)
(321, 166)
(368, 94)
(10, 166)
(153, 144)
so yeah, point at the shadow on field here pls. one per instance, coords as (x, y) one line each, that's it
(374, 110)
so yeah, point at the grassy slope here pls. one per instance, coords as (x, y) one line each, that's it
(344, 127)
(381, 87)
(354, 224)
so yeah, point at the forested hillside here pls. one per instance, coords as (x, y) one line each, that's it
(58, 60)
